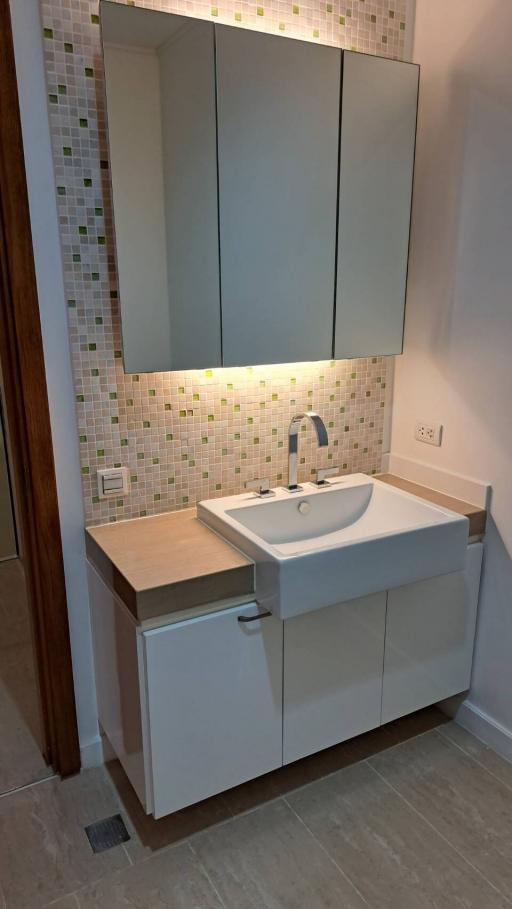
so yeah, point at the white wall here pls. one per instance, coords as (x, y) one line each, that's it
(457, 365)
(27, 29)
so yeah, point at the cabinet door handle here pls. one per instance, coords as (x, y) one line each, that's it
(253, 618)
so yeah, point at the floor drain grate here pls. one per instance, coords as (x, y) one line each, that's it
(107, 833)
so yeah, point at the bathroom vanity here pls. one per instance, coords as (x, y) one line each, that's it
(202, 687)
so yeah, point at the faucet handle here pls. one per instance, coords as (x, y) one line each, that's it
(324, 472)
(261, 487)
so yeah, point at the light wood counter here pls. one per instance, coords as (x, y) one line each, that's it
(477, 516)
(168, 562)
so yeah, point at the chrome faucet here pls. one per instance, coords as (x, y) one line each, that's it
(293, 444)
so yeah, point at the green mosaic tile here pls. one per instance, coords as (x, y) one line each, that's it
(53, 99)
(48, 33)
(83, 122)
(67, 151)
(260, 11)
(89, 72)
(238, 17)
(214, 11)
(61, 190)
(95, 19)
(68, 47)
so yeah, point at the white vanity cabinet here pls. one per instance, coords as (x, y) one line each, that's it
(190, 708)
(332, 675)
(196, 705)
(214, 704)
(430, 631)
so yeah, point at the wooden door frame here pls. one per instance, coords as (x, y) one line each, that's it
(28, 418)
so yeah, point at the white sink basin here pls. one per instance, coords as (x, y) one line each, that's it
(322, 546)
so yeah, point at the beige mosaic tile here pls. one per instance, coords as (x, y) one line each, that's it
(191, 435)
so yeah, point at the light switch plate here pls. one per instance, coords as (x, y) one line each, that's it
(112, 481)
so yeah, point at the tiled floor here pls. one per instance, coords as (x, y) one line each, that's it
(424, 824)
(21, 761)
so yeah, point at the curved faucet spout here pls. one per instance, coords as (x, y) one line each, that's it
(293, 443)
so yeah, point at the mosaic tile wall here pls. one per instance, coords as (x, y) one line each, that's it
(191, 435)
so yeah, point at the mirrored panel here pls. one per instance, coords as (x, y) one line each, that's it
(160, 89)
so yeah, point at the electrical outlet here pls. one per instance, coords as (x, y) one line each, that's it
(428, 432)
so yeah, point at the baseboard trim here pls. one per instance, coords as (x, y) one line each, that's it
(485, 728)
(91, 754)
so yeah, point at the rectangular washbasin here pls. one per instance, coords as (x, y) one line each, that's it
(322, 546)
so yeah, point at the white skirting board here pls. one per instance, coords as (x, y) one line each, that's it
(477, 492)
(91, 753)
(485, 728)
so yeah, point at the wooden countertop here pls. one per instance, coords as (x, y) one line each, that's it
(168, 562)
(477, 516)
(172, 562)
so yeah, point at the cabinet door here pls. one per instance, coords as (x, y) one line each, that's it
(214, 703)
(430, 632)
(278, 126)
(378, 129)
(332, 675)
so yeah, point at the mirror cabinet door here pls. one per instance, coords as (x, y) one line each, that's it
(160, 86)
(378, 131)
(278, 121)
(228, 174)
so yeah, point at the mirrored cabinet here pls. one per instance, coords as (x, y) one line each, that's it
(261, 190)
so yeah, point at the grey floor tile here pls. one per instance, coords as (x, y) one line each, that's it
(480, 752)
(67, 902)
(45, 853)
(268, 860)
(467, 805)
(173, 879)
(21, 760)
(148, 835)
(393, 857)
